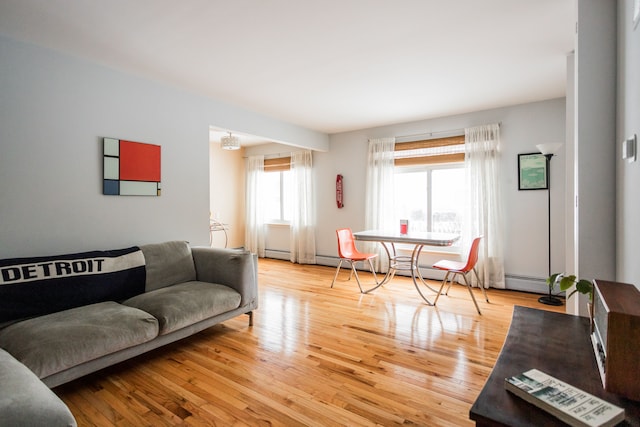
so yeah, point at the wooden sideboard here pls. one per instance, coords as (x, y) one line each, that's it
(556, 343)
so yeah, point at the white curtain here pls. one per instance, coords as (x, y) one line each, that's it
(254, 234)
(379, 194)
(484, 207)
(303, 226)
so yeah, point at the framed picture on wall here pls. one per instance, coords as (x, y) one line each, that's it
(532, 172)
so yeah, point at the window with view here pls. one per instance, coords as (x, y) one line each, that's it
(430, 197)
(277, 188)
(430, 184)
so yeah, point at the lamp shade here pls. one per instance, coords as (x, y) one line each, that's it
(230, 142)
(549, 148)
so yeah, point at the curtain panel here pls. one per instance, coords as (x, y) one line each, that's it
(254, 220)
(483, 202)
(303, 225)
(379, 194)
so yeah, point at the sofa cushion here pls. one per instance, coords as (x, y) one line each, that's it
(55, 342)
(25, 400)
(167, 264)
(36, 286)
(181, 305)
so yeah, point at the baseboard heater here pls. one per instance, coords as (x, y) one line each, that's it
(513, 282)
(427, 271)
(284, 255)
(536, 285)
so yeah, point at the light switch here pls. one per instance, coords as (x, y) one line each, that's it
(630, 149)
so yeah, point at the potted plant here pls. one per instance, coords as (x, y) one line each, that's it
(584, 286)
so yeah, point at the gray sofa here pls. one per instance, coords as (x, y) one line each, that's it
(67, 316)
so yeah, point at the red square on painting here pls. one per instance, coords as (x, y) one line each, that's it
(139, 162)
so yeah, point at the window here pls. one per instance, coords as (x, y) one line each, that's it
(277, 187)
(430, 184)
(430, 197)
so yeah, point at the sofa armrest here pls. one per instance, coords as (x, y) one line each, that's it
(25, 400)
(234, 268)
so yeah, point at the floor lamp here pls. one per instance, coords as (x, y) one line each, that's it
(548, 151)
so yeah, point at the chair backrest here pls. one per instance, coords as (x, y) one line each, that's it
(346, 243)
(473, 254)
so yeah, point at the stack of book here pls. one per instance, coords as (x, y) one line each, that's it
(570, 404)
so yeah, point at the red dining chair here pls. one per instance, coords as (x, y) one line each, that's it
(348, 252)
(453, 268)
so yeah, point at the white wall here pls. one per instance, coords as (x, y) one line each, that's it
(54, 112)
(522, 127)
(595, 109)
(628, 123)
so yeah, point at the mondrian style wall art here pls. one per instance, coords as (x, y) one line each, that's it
(131, 168)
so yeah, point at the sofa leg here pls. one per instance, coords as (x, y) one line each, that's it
(250, 318)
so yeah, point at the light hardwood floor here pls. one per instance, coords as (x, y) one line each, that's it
(315, 356)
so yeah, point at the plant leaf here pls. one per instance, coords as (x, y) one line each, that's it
(567, 282)
(584, 286)
(551, 280)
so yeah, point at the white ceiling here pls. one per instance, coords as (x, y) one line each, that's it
(328, 65)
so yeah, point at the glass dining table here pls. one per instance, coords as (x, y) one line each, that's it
(419, 240)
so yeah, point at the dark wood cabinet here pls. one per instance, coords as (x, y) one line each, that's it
(556, 343)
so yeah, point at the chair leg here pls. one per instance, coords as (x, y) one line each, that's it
(337, 271)
(392, 274)
(373, 270)
(484, 291)
(354, 271)
(451, 278)
(441, 286)
(464, 277)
